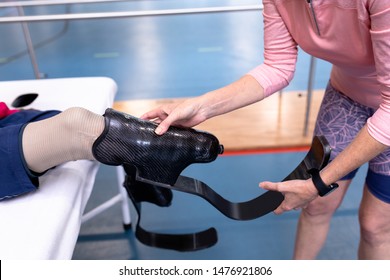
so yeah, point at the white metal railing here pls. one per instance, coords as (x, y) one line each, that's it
(51, 2)
(103, 15)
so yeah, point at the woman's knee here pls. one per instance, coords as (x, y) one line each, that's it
(374, 229)
(318, 207)
(374, 219)
(327, 205)
(74, 117)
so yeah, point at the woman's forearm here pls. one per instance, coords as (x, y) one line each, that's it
(363, 148)
(243, 92)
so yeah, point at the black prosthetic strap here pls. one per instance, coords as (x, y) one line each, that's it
(140, 192)
(179, 242)
(317, 157)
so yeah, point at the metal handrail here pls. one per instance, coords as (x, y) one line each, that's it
(51, 2)
(78, 16)
(30, 46)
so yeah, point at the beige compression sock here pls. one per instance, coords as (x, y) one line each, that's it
(65, 137)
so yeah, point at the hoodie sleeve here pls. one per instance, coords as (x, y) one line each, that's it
(280, 52)
(378, 124)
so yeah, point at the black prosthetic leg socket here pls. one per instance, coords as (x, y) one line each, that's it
(159, 158)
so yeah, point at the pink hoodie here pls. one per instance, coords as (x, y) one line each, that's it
(353, 35)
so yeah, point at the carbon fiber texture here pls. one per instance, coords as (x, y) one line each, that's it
(130, 140)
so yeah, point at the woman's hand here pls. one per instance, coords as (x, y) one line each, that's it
(187, 113)
(297, 193)
(193, 111)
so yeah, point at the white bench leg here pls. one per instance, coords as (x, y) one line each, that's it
(120, 197)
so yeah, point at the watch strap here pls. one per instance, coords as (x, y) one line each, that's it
(321, 187)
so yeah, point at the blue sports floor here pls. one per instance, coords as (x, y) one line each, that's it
(176, 56)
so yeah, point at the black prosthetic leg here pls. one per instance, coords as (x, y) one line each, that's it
(316, 158)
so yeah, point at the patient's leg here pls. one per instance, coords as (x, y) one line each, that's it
(65, 137)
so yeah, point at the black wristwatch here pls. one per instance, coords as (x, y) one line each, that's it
(321, 187)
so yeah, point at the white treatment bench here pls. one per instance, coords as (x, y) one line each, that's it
(45, 224)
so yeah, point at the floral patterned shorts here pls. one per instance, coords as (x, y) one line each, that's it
(339, 120)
